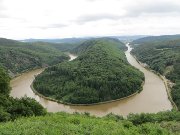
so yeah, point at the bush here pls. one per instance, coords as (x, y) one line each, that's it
(25, 107)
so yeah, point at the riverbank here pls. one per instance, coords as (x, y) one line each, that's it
(24, 72)
(99, 103)
(13, 76)
(47, 97)
(163, 78)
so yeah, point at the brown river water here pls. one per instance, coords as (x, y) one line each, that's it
(153, 98)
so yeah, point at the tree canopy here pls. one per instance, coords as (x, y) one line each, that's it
(17, 57)
(100, 73)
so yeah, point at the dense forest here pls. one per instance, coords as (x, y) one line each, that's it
(100, 73)
(162, 54)
(17, 57)
(10, 108)
(162, 123)
(81, 48)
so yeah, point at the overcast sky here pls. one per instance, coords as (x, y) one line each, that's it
(20, 19)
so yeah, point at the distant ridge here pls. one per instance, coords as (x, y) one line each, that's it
(82, 39)
(58, 40)
(157, 38)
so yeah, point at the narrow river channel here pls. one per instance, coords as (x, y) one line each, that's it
(153, 98)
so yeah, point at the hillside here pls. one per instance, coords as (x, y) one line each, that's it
(17, 57)
(100, 73)
(167, 123)
(11, 108)
(162, 54)
(85, 45)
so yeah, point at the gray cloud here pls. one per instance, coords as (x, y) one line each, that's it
(96, 17)
(52, 26)
(153, 8)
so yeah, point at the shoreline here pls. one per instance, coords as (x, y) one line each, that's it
(92, 104)
(163, 78)
(35, 68)
(26, 71)
(99, 103)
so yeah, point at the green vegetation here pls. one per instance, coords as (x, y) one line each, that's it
(86, 45)
(162, 54)
(100, 73)
(167, 123)
(11, 108)
(17, 57)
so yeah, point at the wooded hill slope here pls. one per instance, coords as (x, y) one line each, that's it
(162, 54)
(17, 57)
(100, 73)
(85, 45)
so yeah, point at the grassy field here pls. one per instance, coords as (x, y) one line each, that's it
(71, 124)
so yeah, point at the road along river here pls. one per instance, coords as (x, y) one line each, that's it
(153, 97)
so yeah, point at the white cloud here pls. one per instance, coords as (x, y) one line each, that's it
(68, 18)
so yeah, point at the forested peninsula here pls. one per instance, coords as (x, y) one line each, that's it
(100, 73)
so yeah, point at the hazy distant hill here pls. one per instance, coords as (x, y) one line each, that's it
(129, 38)
(77, 40)
(156, 39)
(63, 40)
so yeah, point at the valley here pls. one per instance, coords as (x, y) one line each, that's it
(89, 67)
(145, 111)
(145, 101)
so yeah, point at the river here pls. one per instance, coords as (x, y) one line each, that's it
(153, 98)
